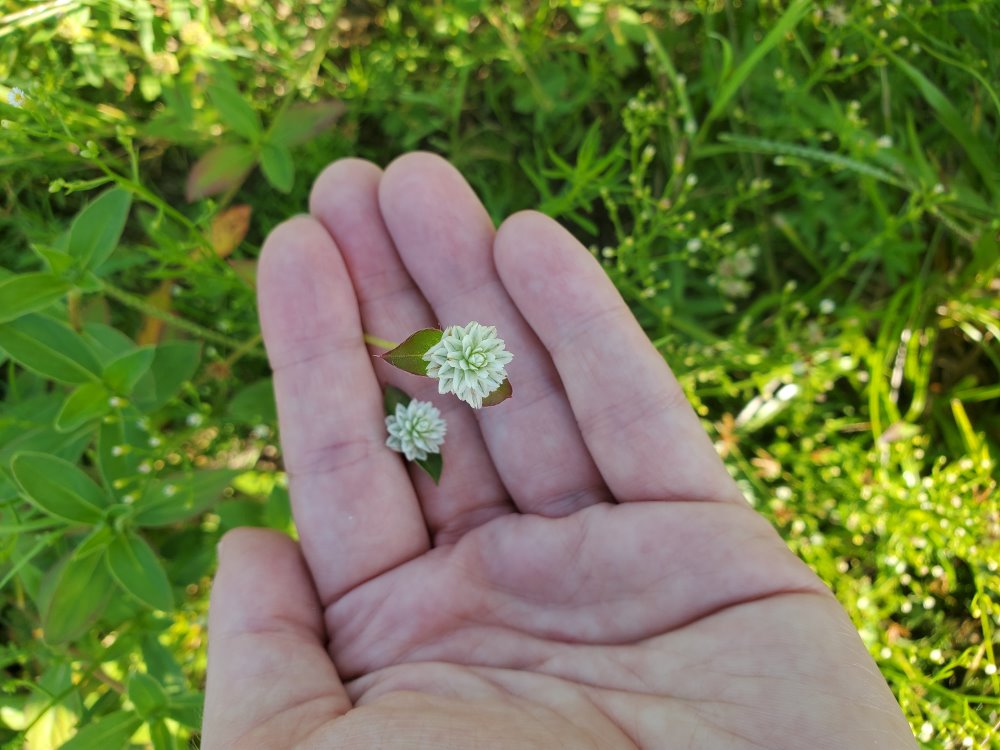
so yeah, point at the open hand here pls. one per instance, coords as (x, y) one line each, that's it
(586, 575)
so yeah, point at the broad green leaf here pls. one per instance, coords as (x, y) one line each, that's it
(174, 363)
(504, 392)
(146, 694)
(28, 292)
(88, 402)
(49, 348)
(136, 568)
(302, 122)
(237, 114)
(279, 168)
(125, 371)
(98, 227)
(220, 169)
(188, 709)
(169, 500)
(161, 662)
(392, 397)
(278, 509)
(408, 356)
(254, 404)
(59, 488)
(108, 343)
(59, 262)
(161, 736)
(110, 732)
(74, 598)
(95, 542)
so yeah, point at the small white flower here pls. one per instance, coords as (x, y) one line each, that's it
(827, 306)
(469, 362)
(415, 430)
(693, 245)
(16, 97)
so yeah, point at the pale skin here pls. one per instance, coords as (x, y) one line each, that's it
(587, 574)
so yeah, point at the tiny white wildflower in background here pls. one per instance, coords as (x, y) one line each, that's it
(469, 361)
(194, 419)
(415, 430)
(16, 97)
(884, 141)
(118, 450)
(827, 306)
(694, 245)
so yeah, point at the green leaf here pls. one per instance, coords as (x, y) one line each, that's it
(392, 397)
(979, 157)
(136, 568)
(169, 500)
(221, 168)
(98, 227)
(28, 292)
(279, 169)
(49, 348)
(161, 736)
(110, 732)
(125, 371)
(117, 440)
(236, 112)
(74, 597)
(85, 404)
(408, 356)
(174, 363)
(504, 392)
(59, 488)
(254, 404)
(188, 709)
(108, 343)
(57, 261)
(795, 12)
(146, 694)
(302, 122)
(433, 465)
(95, 542)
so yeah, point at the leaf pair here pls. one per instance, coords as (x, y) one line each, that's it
(224, 167)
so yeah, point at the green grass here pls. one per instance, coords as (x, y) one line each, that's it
(798, 200)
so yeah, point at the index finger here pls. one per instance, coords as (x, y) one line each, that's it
(355, 508)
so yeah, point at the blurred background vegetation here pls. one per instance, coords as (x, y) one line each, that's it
(799, 200)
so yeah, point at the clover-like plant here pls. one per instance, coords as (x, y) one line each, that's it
(469, 361)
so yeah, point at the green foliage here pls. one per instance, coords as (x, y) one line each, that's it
(798, 200)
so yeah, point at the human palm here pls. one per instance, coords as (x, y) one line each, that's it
(585, 575)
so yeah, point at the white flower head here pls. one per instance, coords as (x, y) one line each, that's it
(16, 97)
(415, 430)
(469, 361)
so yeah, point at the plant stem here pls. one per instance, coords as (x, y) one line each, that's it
(381, 343)
(137, 303)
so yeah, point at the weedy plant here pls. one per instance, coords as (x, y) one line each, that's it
(799, 201)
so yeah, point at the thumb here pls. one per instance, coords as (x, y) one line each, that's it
(270, 679)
